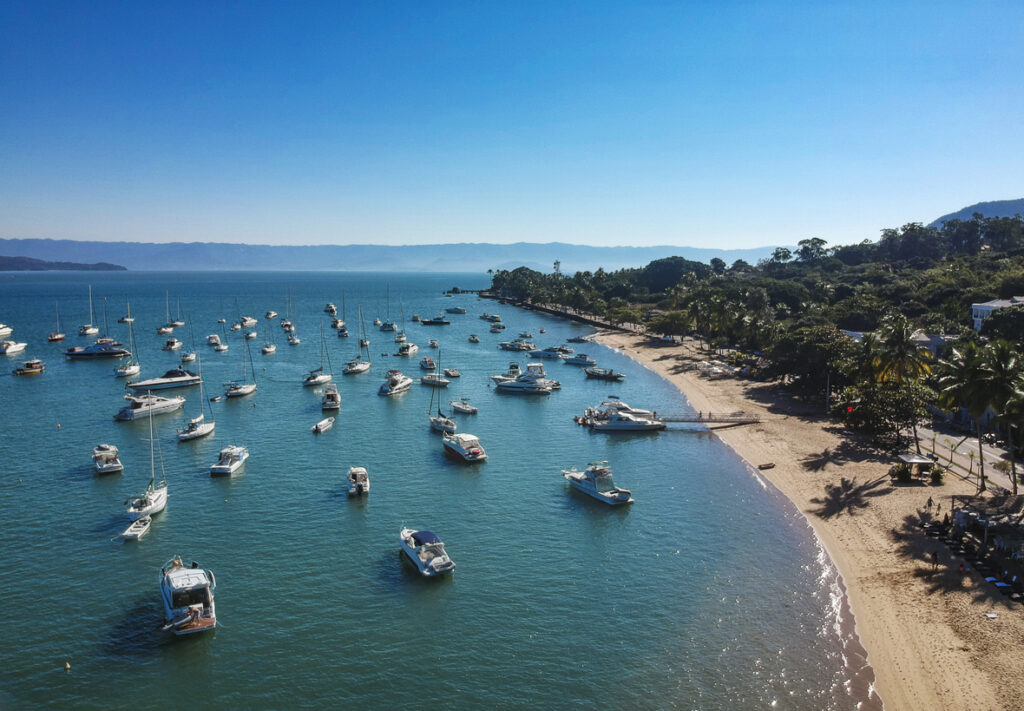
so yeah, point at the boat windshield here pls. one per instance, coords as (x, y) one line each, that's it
(603, 480)
(186, 598)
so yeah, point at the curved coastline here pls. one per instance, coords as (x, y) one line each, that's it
(926, 635)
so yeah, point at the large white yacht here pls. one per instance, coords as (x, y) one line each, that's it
(551, 353)
(142, 405)
(104, 457)
(187, 595)
(581, 359)
(532, 381)
(358, 481)
(597, 482)
(232, 458)
(396, 382)
(464, 446)
(6, 330)
(426, 551)
(408, 350)
(435, 380)
(176, 378)
(625, 422)
(11, 347)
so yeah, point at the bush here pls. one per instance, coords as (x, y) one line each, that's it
(937, 474)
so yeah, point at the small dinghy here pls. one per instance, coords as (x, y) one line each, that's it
(358, 481)
(323, 425)
(138, 529)
(452, 373)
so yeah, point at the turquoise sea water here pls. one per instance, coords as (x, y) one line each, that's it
(708, 593)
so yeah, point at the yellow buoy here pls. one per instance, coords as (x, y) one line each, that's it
(67, 666)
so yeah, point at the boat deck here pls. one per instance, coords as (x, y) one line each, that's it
(200, 624)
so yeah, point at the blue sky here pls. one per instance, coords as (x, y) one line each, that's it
(713, 124)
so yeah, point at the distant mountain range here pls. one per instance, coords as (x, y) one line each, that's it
(461, 257)
(996, 208)
(27, 264)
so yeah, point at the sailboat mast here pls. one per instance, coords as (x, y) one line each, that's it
(90, 304)
(56, 307)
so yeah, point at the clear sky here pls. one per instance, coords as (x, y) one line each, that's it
(716, 124)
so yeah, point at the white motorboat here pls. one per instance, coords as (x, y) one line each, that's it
(358, 481)
(614, 404)
(532, 381)
(89, 329)
(426, 551)
(427, 363)
(331, 399)
(213, 340)
(433, 343)
(462, 405)
(172, 344)
(452, 373)
(105, 459)
(220, 347)
(578, 339)
(377, 322)
(142, 405)
(6, 330)
(251, 335)
(293, 340)
(337, 323)
(330, 308)
(248, 321)
(176, 378)
(269, 349)
(188, 356)
(525, 334)
(11, 347)
(323, 425)
(455, 310)
(513, 372)
(550, 353)
(318, 376)
(516, 345)
(464, 446)
(270, 314)
(395, 383)
(597, 482)
(187, 595)
(581, 359)
(473, 338)
(164, 330)
(408, 350)
(435, 380)
(625, 422)
(496, 328)
(222, 320)
(137, 529)
(237, 326)
(564, 350)
(231, 459)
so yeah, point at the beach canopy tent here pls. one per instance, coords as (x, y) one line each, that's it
(917, 463)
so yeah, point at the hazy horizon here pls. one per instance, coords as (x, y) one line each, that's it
(731, 125)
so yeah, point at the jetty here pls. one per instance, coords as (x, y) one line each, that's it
(735, 418)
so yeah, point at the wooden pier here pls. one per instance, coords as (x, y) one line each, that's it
(734, 418)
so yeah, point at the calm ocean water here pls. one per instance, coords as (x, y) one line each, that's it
(709, 592)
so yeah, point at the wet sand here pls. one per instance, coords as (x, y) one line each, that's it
(925, 630)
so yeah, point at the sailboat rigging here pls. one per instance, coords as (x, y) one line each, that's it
(439, 422)
(198, 426)
(358, 365)
(88, 329)
(57, 335)
(242, 387)
(317, 376)
(154, 498)
(134, 365)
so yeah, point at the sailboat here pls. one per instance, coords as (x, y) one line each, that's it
(439, 422)
(317, 376)
(343, 328)
(198, 426)
(177, 321)
(57, 335)
(127, 318)
(133, 366)
(269, 347)
(88, 329)
(358, 365)
(388, 324)
(242, 387)
(154, 498)
(221, 344)
(400, 337)
(190, 353)
(168, 327)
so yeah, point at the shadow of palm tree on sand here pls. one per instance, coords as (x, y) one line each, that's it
(848, 496)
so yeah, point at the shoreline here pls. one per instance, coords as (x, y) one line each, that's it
(924, 630)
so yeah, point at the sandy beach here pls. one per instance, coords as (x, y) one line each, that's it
(926, 631)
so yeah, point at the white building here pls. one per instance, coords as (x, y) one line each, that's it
(980, 312)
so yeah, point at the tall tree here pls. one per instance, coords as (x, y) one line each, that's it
(902, 360)
(1000, 376)
(960, 385)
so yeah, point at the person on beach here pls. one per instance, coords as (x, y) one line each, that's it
(929, 504)
(935, 560)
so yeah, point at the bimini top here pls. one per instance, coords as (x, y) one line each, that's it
(424, 537)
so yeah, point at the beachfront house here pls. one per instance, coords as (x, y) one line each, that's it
(980, 312)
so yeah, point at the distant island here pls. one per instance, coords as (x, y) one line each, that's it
(28, 264)
(456, 257)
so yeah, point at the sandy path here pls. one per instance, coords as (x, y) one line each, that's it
(927, 637)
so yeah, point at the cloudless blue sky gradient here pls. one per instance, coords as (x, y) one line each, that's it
(725, 124)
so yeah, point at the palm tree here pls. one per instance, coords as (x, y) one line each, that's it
(1000, 376)
(961, 386)
(1012, 417)
(900, 359)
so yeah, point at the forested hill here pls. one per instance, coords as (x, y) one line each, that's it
(27, 264)
(461, 257)
(996, 208)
